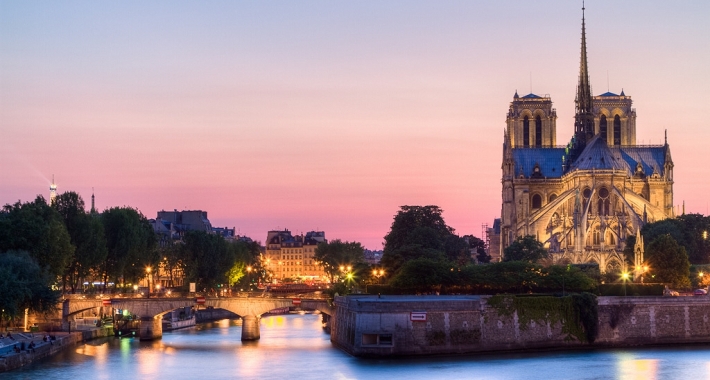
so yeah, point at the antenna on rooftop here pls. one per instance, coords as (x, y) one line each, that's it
(607, 81)
(531, 82)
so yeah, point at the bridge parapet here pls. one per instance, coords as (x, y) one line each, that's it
(324, 306)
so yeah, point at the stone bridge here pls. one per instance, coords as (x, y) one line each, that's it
(151, 310)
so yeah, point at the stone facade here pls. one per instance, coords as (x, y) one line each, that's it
(289, 256)
(426, 325)
(583, 199)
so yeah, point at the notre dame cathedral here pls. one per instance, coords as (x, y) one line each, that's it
(583, 199)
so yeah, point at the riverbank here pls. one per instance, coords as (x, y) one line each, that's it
(443, 325)
(10, 359)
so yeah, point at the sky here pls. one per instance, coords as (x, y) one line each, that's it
(326, 115)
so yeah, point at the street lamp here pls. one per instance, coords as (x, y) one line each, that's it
(378, 273)
(625, 276)
(249, 269)
(147, 271)
(157, 288)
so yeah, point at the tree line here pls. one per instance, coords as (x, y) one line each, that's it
(49, 249)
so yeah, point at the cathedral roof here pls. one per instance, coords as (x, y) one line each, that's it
(531, 96)
(548, 160)
(597, 155)
(651, 158)
(608, 94)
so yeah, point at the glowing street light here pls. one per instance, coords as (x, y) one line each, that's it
(625, 276)
(378, 273)
(147, 271)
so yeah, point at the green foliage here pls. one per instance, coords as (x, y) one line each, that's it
(478, 246)
(668, 262)
(334, 254)
(420, 232)
(688, 230)
(131, 245)
(23, 284)
(577, 314)
(37, 228)
(629, 253)
(87, 235)
(632, 289)
(424, 274)
(525, 248)
(209, 259)
(236, 272)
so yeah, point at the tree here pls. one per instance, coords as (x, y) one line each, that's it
(424, 274)
(24, 285)
(629, 253)
(247, 263)
(37, 228)
(668, 261)
(689, 230)
(478, 246)
(130, 243)
(87, 235)
(336, 254)
(525, 248)
(420, 232)
(209, 259)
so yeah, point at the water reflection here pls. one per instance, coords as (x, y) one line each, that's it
(296, 346)
(638, 369)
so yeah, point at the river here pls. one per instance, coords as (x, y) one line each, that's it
(295, 346)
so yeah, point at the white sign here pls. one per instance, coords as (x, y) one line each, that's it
(192, 287)
(417, 316)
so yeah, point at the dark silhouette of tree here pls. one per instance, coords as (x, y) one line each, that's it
(37, 228)
(668, 261)
(420, 232)
(130, 243)
(689, 230)
(479, 247)
(209, 258)
(336, 253)
(87, 235)
(525, 248)
(24, 285)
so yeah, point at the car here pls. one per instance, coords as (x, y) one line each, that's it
(674, 293)
(700, 292)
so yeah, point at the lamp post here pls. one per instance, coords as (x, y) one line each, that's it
(147, 271)
(625, 276)
(249, 269)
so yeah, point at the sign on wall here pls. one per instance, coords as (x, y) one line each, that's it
(192, 287)
(417, 316)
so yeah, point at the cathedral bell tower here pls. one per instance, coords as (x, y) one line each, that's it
(531, 122)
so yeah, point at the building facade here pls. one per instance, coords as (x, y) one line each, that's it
(583, 199)
(291, 257)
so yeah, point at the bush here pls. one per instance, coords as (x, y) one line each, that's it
(631, 289)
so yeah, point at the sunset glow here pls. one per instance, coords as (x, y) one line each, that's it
(326, 115)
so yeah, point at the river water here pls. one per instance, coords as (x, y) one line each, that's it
(295, 346)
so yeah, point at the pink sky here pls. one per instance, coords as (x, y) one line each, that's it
(326, 115)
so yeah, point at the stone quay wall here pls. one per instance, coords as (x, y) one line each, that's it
(433, 325)
(12, 360)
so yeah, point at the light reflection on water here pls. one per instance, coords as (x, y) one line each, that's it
(294, 346)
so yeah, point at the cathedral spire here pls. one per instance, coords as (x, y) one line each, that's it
(584, 117)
